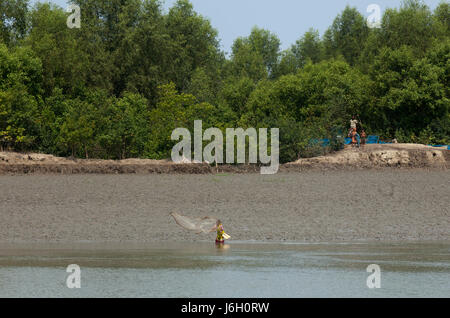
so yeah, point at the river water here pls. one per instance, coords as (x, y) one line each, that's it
(238, 269)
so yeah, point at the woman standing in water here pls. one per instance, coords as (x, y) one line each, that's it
(220, 232)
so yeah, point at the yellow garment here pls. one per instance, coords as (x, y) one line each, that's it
(220, 232)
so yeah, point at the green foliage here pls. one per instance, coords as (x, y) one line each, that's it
(247, 62)
(126, 130)
(194, 42)
(261, 43)
(172, 111)
(236, 92)
(20, 78)
(288, 64)
(13, 20)
(442, 15)
(346, 36)
(255, 56)
(309, 48)
(201, 86)
(311, 104)
(56, 46)
(411, 93)
(412, 25)
(117, 87)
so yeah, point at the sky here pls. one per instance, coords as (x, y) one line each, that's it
(288, 19)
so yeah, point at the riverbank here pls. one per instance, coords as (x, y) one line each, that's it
(313, 206)
(369, 157)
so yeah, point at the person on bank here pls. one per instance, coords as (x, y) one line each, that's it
(363, 137)
(353, 122)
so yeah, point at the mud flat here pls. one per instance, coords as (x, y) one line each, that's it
(312, 206)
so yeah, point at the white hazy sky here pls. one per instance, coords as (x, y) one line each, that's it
(289, 19)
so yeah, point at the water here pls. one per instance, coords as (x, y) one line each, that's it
(239, 269)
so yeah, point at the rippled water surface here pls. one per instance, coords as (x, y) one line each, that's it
(239, 269)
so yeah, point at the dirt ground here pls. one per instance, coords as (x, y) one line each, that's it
(312, 206)
(367, 157)
(35, 163)
(378, 156)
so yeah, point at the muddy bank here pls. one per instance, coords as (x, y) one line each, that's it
(104, 168)
(34, 163)
(378, 156)
(332, 206)
(368, 157)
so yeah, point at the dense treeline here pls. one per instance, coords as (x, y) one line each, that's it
(119, 85)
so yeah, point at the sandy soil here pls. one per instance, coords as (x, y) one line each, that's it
(331, 206)
(379, 156)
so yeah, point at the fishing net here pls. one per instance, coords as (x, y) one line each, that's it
(199, 225)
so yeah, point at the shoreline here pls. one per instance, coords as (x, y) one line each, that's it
(371, 157)
(139, 245)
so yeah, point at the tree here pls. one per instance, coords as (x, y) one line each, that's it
(236, 92)
(411, 93)
(20, 79)
(261, 45)
(13, 20)
(77, 130)
(50, 119)
(142, 57)
(64, 64)
(288, 64)
(126, 134)
(169, 113)
(309, 47)
(201, 86)
(117, 87)
(442, 15)
(346, 36)
(411, 25)
(246, 62)
(194, 43)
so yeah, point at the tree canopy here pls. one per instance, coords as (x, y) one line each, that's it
(119, 85)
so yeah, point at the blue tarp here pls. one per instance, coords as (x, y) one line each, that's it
(372, 139)
(440, 146)
(348, 140)
(443, 146)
